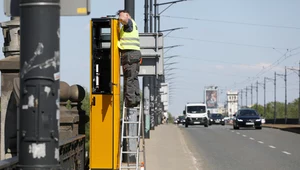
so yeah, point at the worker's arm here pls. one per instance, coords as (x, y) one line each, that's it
(128, 27)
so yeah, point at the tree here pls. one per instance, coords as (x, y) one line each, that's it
(170, 118)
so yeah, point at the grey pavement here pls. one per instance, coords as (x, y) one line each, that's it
(222, 148)
(167, 150)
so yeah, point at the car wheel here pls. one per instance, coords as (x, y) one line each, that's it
(258, 127)
(223, 124)
(186, 125)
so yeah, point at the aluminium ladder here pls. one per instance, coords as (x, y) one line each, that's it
(136, 152)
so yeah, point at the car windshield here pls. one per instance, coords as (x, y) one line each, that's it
(248, 113)
(181, 117)
(216, 115)
(196, 109)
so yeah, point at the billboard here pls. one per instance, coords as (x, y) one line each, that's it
(211, 97)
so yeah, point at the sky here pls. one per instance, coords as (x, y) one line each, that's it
(230, 44)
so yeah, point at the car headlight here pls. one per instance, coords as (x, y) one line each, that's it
(222, 119)
(211, 120)
(258, 120)
(240, 120)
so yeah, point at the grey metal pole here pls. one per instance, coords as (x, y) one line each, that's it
(251, 95)
(158, 20)
(129, 6)
(246, 97)
(152, 102)
(264, 96)
(39, 84)
(155, 16)
(275, 98)
(285, 96)
(146, 97)
(146, 23)
(256, 95)
(299, 96)
(241, 98)
(151, 16)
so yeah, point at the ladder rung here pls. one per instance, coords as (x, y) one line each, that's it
(128, 167)
(131, 122)
(131, 137)
(129, 152)
(133, 107)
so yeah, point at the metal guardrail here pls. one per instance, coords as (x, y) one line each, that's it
(71, 152)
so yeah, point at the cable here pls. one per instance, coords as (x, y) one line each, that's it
(229, 43)
(231, 22)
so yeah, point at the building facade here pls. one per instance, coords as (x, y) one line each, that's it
(232, 102)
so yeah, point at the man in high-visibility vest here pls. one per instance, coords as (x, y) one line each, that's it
(131, 57)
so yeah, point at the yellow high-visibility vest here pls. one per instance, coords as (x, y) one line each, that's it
(129, 40)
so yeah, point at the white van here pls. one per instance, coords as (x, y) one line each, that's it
(196, 114)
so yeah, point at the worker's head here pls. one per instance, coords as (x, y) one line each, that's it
(123, 16)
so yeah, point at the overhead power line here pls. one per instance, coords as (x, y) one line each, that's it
(232, 22)
(224, 42)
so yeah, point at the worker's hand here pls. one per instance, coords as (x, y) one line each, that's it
(141, 60)
(123, 18)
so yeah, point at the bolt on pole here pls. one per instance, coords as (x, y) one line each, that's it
(39, 84)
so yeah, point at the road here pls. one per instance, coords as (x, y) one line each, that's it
(222, 148)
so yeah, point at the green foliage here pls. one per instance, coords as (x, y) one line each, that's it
(292, 110)
(86, 107)
(170, 118)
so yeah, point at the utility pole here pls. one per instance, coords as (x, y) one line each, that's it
(256, 95)
(285, 104)
(251, 95)
(265, 96)
(242, 98)
(274, 95)
(39, 84)
(151, 16)
(275, 98)
(146, 15)
(297, 71)
(246, 97)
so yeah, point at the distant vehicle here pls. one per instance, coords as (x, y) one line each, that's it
(216, 118)
(246, 118)
(196, 114)
(181, 120)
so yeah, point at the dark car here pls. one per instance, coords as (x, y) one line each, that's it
(216, 118)
(246, 118)
(181, 120)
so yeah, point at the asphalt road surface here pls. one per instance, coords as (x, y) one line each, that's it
(222, 148)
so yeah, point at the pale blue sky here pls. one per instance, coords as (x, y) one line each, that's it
(208, 61)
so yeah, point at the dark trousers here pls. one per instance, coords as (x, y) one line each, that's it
(130, 61)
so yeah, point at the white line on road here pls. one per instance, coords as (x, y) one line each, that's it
(245, 135)
(261, 142)
(251, 138)
(285, 152)
(238, 133)
(186, 149)
(232, 131)
(272, 146)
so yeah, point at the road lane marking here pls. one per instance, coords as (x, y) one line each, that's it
(261, 142)
(251, 138)
(285, 152)
(238, 133)
(187, 151)
(272, 146)
(244, 135)
(232, 131)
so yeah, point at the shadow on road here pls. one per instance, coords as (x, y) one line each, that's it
(244, 129)
(292, 129)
